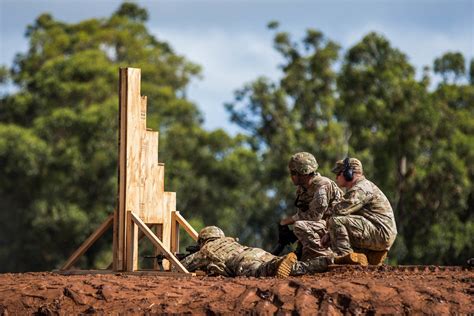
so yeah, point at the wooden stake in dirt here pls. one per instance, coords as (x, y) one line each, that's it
(142, 201)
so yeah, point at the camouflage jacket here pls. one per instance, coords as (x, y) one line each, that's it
(367, 200)
(214, 255)
(315, 202)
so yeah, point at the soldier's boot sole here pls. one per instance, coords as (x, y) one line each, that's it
(285, 266)
(376, 258)
(352, 258)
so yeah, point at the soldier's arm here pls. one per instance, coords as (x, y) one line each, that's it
(352, 202)
(196, 261)
(319, 204)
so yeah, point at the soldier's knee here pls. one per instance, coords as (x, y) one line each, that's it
(335, 221)
(336, 226)
(299, 229)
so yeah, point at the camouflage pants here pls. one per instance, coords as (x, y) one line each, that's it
(355, 231)
(309, 234)
(253, 262)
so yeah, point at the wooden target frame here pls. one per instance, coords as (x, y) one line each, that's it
(143, 204)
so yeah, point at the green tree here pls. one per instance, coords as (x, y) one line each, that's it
(471, 72)
(58, 144)
(410, 140)
(450, 65)
(295, 114)
(446, 183)
(414, 143)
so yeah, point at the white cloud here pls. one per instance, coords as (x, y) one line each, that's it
(229, 60)
(421, 45)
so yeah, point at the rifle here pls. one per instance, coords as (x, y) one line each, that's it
(180, 256)
(285, 237)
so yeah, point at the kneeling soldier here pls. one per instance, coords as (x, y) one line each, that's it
(363, 224)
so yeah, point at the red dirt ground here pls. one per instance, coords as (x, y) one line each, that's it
(343, 290)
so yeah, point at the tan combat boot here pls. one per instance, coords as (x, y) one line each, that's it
(285, 264)
(376, 258)
(352, 258)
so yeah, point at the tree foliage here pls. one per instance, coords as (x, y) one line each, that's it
(415, 142)
(58, 138)
(58, 144)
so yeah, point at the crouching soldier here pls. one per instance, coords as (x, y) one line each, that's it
(363, 224)
(315, 196)
(220, 255)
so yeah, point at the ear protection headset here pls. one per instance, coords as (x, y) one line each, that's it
(347, 172)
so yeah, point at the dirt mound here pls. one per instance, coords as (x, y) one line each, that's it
(343, 290)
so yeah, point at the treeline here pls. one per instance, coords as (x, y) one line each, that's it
(58, 138)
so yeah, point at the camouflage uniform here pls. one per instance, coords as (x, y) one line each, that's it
(225, 256)
(364, 219)
(314, 205)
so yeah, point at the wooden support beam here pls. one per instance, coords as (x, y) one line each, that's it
(132, 244)
(89, 242)
(158, 243)
(114, 263)
(187, 227)
(174, 233)
(159, 234)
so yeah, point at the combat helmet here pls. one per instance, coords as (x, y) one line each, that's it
(303, 163)
(209, 232)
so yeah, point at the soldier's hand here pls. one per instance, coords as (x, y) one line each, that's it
(286, 221)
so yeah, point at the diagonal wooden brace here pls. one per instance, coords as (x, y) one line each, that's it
(157, 243)
(89, 242)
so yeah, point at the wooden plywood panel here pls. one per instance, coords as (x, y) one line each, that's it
(152, 179)
(134, 137)
(149, 153)
(153, 195)
(129, 153)
(143, 114)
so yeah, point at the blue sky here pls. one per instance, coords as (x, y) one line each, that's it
(229, 38)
